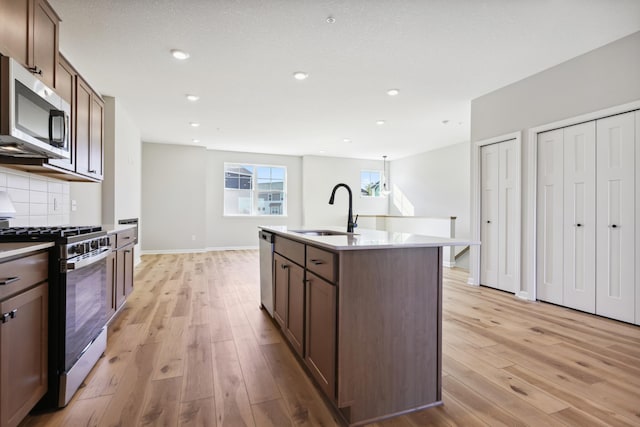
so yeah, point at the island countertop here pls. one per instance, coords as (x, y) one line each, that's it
(364, 238)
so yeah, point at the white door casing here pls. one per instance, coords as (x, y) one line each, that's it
(549, 216)
(579, 263)
(615, 228)
(637, 113)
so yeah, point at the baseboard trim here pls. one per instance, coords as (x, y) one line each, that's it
(196, 251)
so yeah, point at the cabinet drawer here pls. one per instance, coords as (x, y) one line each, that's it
(125, 237)
(290, 249)
(22, 273)
(322, 262)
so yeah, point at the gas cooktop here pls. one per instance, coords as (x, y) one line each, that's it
(49, 233)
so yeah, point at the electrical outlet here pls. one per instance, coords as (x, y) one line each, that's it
(193, 237)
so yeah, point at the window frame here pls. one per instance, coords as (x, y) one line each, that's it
(380, 175)
(255, 191)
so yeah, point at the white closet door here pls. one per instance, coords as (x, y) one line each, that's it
(507, 199)
(490, 160)
(549, 237)
(615, 232)
(637, 113)
(579, 281)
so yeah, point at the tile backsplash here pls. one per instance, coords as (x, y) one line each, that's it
(38, 200)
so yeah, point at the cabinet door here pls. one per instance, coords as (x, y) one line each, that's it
(128, 269)
(14, 29)
(320, 350)
(615, 229)
(281, 289)
(82, 119)
(295, 308)
(96, 137)
(579, 223)
(111, 285)
(489, 216)
(45, 41)
(23, 346)
(120, 274)
(550, 217)
(66, 88)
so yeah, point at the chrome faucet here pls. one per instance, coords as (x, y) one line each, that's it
(350, 223)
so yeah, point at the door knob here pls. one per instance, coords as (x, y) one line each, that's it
(578, 225)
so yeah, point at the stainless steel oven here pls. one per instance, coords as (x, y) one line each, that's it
(77, 304)
(85, 339)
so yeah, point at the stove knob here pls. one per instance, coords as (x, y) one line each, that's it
(94, 244)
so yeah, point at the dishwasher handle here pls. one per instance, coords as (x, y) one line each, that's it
(268, 237)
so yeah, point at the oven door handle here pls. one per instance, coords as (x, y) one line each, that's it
(88, 261)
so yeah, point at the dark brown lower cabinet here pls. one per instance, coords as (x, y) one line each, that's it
(127, 280)
(289, 300)
(320, 351)
(23, 346)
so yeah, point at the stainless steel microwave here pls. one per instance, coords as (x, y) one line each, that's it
(34, 120)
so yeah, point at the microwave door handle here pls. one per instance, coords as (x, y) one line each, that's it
(60, 115)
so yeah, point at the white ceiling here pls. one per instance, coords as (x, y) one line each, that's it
(439, 53)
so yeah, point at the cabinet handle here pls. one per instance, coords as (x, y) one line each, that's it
(13, 313)
(91, 171)
(284, 266)
(317, 261)
(35, 70)
(5, 317)
(9, 280)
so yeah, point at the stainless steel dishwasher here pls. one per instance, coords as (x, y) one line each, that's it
(266, 270)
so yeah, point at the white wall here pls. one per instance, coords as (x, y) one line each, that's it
(240, 232)
(173, 197)
(435, 184)
(602, 78)
(320, 174)
(86, 203)
(122, 175)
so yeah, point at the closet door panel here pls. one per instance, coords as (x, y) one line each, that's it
(579, 175)
(549, 214)
(507, 216)
(615, 235)
(637, 132)
(489, 215)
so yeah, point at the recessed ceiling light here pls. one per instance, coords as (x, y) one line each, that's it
(331, 20)
(179, 54)
(393, 92)
(193, 98)
(444, 122)
(380, 122)
(300, 75)
(194, 124)
(321, 151)
(346, 140)
(195, 140)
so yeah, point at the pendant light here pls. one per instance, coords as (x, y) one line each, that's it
(385, 191)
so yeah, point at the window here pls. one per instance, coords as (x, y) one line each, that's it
(254, 190)
(370, 183)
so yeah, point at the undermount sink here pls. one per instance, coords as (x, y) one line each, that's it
(321, 232)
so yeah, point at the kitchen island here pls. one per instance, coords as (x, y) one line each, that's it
(363, 311)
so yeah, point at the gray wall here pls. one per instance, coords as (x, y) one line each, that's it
(436, 183)
(320, 174)
(605, 77)
(182, 197)
(173, 197)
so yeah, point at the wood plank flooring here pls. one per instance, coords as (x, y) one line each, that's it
(192, 348)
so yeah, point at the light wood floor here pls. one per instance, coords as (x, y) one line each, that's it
(192, 348)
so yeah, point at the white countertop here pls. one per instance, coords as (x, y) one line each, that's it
(365, 238)
(11, 249)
